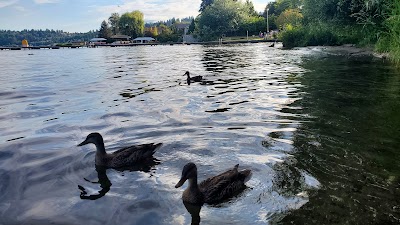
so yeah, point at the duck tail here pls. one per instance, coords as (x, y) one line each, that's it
(156, 147)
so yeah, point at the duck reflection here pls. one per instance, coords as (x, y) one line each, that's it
(194, 211)
(105, 183)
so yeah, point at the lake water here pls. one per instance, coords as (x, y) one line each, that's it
(320, 131)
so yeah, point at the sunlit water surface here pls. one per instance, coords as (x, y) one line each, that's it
(320, 132)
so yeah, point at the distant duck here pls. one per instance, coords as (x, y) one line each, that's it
(124, 157)
(192, 79)
(273, 45)
(214, 189)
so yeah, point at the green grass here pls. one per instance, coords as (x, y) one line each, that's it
(389, 41)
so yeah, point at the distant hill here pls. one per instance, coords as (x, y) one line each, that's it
(42, 37)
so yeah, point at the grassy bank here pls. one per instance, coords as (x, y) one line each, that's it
(376, 26)
(389, 41)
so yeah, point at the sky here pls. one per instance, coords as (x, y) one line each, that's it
(85, 15)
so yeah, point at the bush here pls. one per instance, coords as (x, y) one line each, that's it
(321, 36)
(295, 37)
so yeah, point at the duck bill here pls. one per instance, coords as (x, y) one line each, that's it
(83, 143)
(180, 183)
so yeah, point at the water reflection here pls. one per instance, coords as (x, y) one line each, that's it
(220, 59)
(105, 185)
(194, 211)
(322, 131)
(104, 181)
(346, 142)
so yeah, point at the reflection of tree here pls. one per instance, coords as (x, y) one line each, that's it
(347, 141)
(218, 60)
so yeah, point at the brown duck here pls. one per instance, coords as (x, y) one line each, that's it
(214, 189)
(124, 157)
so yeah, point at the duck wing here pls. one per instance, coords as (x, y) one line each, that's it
(133, 154)
(224, 186)
(196, 78)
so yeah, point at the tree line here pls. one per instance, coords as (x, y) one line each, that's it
(217, 18)
(42, 37)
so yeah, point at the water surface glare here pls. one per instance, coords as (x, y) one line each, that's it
(320, 132)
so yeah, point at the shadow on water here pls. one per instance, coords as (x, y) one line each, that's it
(348, 140)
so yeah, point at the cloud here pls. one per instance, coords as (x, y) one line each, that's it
(45, 1)
(5, 3)
(153, 10)
(20, 8)
(259, 5)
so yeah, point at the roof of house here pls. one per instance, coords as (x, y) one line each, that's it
(120, 36)
(144, 39)
(97, 39)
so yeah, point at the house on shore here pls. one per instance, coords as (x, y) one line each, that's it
(143, 40)
(121, 39)
(97, 41)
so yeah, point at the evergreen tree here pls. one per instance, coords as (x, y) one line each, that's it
(204, 4)
(113, 20)
(105, 31)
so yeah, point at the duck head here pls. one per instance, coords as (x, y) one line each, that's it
(187, 74)
(189, 171)
(94, 138)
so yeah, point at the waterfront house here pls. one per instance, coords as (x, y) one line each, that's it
(143, 40)
(97, 41)
(121, 39)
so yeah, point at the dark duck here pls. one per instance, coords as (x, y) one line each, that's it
(192, 79)
(215, 189)
(124, 157)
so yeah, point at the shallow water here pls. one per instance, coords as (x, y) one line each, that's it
(319, 131)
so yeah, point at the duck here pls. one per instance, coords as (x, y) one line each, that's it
(124, 157)
(215, 189)
(192, 79)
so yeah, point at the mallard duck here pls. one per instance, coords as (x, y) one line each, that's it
(124, 157)
(214, 189)
(192, 79)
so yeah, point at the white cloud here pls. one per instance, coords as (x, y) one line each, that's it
(259, 5)
(20, 8)
(45, 1)
(5, 3)
(154, 10)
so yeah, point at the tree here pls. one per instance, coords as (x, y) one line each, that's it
(191, 27)
(132, 24)
(105, 31)
(113, 20)
(250, 7)
(290, 17)
(204, 4)
(221, 17)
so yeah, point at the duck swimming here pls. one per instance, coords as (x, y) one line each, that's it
(124, 157)
(192, 79)
(214, 189)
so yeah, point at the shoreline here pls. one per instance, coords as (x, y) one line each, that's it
(349, 50)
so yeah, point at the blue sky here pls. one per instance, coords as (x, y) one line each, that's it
(85, 15)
